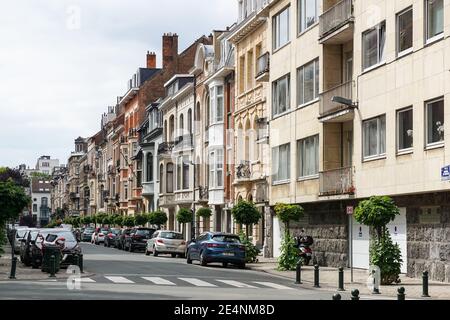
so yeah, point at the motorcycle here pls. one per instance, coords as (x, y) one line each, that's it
(304, 244)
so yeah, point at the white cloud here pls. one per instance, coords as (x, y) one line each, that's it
(63, 62)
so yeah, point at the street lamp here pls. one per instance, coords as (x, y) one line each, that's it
(345, 101)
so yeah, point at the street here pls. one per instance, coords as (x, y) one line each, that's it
(123, 275)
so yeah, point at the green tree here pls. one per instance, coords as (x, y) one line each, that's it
(204, 212)
(376, 212)
(12, 201)
(289, 254)
(387, 256)
(158, 218)
(87, 220)
(245, 213)
(15, 176)
(288, 212)
(119, 220)
(107, 220)
(140, 219)
(129, 221)
(184, 216)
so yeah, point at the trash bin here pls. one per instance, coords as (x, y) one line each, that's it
(47, 252)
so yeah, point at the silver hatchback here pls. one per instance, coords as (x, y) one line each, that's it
(170, 242)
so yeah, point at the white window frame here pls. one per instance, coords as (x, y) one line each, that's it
(439, 35)
(301, 151)
(219, 106)
(275, 84)
(380, 58)
(437, 144)
(276, 30)
(301, 85)
(379, 154)
(397, 31)
(404, 150)
(301, 25)
(276, 164)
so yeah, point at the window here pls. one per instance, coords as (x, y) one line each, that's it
(434, 114)
(219, 104)
(34, 207)
(405, 31)
(307, 13)
(435, 18)
(404, 129)
(281, 95)
(189, 119)
(308, 156)
(149, 168)
(373, 45)
(216, 168)
(281, 163)
(211, 181)
(374, 137)
(219, 168)
(185, 172)
(308, 82)
(280, 29)
(179, 172)
(161, 178)
(169, 180)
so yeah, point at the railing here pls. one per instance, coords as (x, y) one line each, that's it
(344, 90)
(336, 182)
(243, 171)
(335, 17)
(263, 64)
(183, 141)
(123, 139)
(165, 147)
(187, 196)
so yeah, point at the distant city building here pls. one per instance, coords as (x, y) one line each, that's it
(45, 165)
(40, 197)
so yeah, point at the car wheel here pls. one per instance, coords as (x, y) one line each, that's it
(188, 259)
(155, 252)
(224, 264)
(203, 260)
(174, 255)
(147, 253)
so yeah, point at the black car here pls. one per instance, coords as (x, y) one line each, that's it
(121, 238)
(138, 238)
(31, 247)
(110, 239)
(71, 246)
(86, 236)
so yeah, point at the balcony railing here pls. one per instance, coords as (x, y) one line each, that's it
(344, 90)
(336, 17)
(243, 171)
(166, 200)
(184, 141)
(263, 67)
(74, 195)
(165, 147)
(336, 182)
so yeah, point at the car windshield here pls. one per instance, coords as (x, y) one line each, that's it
(144, 232)
(225, 238)
(34, 234)
(89, 230)
(21, 233)
(65, 234)
(115, 231)
(171, 235)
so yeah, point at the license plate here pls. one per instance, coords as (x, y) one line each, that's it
(228, 254)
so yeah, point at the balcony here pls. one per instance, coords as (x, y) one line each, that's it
(243, 171)
(148, 188)
(183, 142)
(165, 147)
(336, 182)
(184, 196)
(166, 200)
(74, 195)
(263, 68)
(336, 23)
(202, 194)
(331, 111)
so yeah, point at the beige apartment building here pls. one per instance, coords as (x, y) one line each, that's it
(358, 96)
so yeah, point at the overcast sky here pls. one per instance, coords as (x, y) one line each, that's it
(63, 62)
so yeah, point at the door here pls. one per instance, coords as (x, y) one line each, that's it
(276, 237)
(360, 241)
(397, 229)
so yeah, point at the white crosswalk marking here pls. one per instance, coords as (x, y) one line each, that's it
(273, 285)
(237, 284)
(87, 280)
(119, 280)
(158, 280)
(198, 282)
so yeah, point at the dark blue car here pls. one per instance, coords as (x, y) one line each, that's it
(217, 247)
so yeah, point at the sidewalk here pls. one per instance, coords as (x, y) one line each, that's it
(329, 281)
(27, 273)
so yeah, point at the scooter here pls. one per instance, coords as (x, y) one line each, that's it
(304, 246)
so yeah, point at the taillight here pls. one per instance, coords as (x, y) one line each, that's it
(214, 245)
(159, 241)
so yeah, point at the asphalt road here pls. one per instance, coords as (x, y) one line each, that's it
(123, 275)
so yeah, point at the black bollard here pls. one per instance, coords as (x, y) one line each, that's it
(401, 293)
(425, 285)
(341, 279)
(298, 273)
(355, 294)
(52, 266)
(12, 275)
(80, 261)
(316, 276)
(337, 296)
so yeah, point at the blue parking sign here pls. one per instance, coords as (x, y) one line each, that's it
(445, 173)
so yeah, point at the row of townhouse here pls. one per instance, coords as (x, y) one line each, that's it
(320, 103)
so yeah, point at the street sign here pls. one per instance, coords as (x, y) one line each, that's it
(350, 210)
(445, 173)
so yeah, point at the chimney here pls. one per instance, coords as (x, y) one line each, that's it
(151, 60)
(170, 49)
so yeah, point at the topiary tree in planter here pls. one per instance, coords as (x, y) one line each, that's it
(247, 214)
(184, 216)
(204, 212)
(119, 220)
(288, 212)
(87, 220)
(129, 221)
(158, 218)
(107, 220)
(387, 256)
(140, 219)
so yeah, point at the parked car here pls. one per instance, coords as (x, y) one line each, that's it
(99, 235)
(25, 244)
(138, 238)
(70, 248)
(87, 234)
(217, 247)
(31, 251)
(20, 233)
(169, 242)
(120, 240)
(110, 239)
